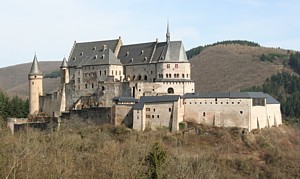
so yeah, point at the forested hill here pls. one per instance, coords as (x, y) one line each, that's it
(195, 51)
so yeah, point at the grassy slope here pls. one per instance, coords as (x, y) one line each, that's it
(80, 150)
(14, 79)
(233, 67)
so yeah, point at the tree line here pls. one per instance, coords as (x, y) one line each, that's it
(294, 62)
(197, 50)
(13, 107)
(285, 88)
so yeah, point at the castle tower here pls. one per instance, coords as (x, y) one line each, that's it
(64, 71)
(35, 78)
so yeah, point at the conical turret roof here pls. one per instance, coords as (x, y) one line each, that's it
(35, 70)
(64, 64)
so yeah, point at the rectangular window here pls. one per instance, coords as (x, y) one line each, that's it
(104, 72)
(147, 109)
(168, 65)
(258, 101)
(158, 116)
(78, 80)
(154, 109)
(100, 73)
(170, 109)
(148, 116)
(176, 65)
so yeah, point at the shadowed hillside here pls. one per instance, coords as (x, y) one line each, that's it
(14, 79)
(234, 67)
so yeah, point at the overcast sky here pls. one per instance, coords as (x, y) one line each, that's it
(49, 28)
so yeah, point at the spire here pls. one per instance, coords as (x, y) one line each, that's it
(35, 70)
(168, 33)
(64, 63)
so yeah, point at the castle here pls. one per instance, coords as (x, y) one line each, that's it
(146, 85)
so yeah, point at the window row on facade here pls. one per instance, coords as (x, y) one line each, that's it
(205, 102)
(103, 73)
(175, 65)
(175, 75)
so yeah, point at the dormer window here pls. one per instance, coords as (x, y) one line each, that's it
(131, 60)
(161, 57)
(81, 53)
(127, 53)
(145, 59)
(95, 57)
(103, 56)
(74, 58)
(94, 48)
(142, 52)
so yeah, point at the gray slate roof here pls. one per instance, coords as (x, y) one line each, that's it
(270, 99)
(82, 53)
(64, 63)
(155, 99)
(35, 69)
(125, 99)
(152, 52)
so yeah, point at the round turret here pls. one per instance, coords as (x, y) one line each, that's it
(35, 78)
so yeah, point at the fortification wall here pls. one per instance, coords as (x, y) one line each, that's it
(274, 115)
(50, 103)
(218, 112)
(122, 114)
(101, 115)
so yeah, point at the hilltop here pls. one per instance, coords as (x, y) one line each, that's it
(14, 79)
(232, 67)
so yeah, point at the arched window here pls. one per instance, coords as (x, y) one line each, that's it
(170, 91)
(170, 76)
(182, 75)
(167, 75)
(145, 78)
(140, 77)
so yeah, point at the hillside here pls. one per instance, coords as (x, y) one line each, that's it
(233, 67)
(81, 150)
(14, 79)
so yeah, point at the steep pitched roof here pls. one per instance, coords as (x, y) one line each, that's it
(175, 52)
(152, 52)
(103, 57)
(64, 64)
(35, 69)
(155, 99)
(83, 52)
(136, 53)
